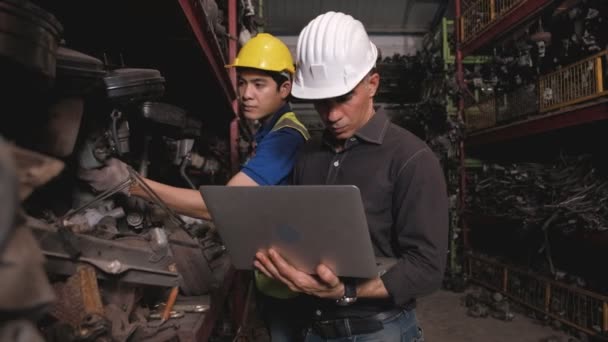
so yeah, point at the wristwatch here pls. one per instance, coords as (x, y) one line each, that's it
(350, 293)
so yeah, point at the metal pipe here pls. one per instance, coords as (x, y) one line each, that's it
(605, 312)
(461, 85)
(234, 145)
(234, 124)
(599, 76)
(170, 303)
(182, 171)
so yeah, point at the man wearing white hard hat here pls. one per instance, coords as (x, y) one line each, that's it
(400, 180)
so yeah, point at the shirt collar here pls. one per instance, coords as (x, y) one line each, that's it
(375, 129)
(269, 124)
(372, 132)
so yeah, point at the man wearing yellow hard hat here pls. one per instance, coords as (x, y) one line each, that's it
(265, 70)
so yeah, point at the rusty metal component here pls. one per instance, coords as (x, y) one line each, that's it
(34, 169)
(69, 306)
(89, 290)
(170, 303)
(116, 259)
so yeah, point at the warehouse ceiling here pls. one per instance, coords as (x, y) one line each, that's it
(379, 16)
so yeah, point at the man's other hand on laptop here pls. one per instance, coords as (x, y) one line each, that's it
(325, 284)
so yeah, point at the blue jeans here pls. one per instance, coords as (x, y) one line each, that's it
(403, 327)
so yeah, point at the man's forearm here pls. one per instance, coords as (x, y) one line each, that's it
(373, 288)
(187, 202)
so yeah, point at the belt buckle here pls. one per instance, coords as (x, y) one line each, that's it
(335, 328)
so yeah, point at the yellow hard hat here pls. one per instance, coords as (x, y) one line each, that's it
(264, 52)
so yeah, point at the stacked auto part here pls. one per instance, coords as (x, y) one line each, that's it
(77, 265)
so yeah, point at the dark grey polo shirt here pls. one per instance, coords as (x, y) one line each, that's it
(405, 200)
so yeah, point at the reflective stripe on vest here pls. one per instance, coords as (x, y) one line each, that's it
(290, 120)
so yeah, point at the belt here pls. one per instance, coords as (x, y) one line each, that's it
(347, 327)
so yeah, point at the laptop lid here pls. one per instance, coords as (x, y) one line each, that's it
(306, 224)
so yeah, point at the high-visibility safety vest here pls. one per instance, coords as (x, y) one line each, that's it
(269, 286)
(290, 120)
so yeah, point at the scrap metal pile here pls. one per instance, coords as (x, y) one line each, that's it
(76, 264)
(568, 194)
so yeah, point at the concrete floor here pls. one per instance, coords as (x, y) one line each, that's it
(444, 318)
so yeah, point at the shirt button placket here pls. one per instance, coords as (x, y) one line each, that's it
(333, 170)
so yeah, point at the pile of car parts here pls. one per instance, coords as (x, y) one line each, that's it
(78, 265)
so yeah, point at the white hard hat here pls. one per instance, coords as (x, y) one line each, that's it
(334, 54)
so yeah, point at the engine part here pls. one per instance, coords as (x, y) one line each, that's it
(89, 290)
(120, 133)
(171, 116)
(159, 239)
(77, 73)
(24, 283)
(62, 128)
(116, 259)
(197, 275)
(94, 151)
(135, 220)
(19, 331)
(30, 36)
(125, 86)
(85, 222)
(8, 196)
(182, 171)
(34, 169)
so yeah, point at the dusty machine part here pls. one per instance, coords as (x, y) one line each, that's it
(93, 152)
(34, 169)
(25, 285)
(196, 273)
(69, 306)
(126, 86)
(20, 331)
(173, 121)
(86, 221)
(62, 128)
(8, 195)
(30, 36)
(116, 259)
(78, 73)
(120, 133)
(89, 290)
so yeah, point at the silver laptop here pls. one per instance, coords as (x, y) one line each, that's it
(307, 225)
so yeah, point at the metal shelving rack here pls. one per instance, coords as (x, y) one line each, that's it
(562, 102)
(567, 97)
(233, 291)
